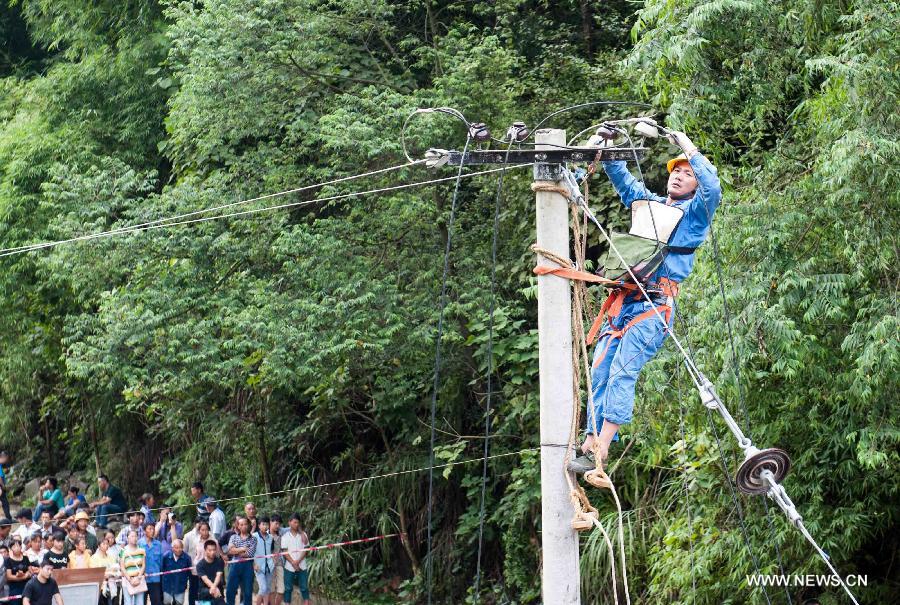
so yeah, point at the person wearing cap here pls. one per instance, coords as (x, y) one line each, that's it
(42, 589)
(216, 517)
(633, 336)
(5, 532)
(26, 525)
(135, 524)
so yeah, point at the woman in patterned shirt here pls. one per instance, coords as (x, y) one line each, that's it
(241, 548)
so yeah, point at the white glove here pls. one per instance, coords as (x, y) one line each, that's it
(597, 141)
(681, 140)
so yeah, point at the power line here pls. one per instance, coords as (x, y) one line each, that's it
(162, 225)
(429, 563)
(304, 488)
(222, 207)
(490, 371)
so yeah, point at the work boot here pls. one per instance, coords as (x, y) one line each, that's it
(582, 464)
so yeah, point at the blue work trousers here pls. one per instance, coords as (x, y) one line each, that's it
(240, 574)
(613, 377)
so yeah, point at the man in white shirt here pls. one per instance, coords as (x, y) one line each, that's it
(293, 545)
(26, 525)
(217, 523)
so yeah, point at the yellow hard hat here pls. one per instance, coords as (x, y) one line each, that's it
(671, 163)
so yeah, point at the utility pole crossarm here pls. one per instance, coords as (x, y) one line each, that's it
(558, 155)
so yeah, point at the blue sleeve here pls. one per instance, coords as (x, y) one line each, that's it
(709, 189)
(628, 187)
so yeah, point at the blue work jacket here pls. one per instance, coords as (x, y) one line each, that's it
(176, 583)
(153, 559)
(698, 211)
(263, 556)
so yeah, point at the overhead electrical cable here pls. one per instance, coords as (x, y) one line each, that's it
(221, 207)
(162, 225)
(429, 556)
(498, 198)
(304, 488)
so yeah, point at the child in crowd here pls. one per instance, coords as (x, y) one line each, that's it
(80, 558)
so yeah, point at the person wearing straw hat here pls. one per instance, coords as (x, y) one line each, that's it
(82, 525)
(632, 333)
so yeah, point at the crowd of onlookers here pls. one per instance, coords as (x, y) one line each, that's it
(157, 557)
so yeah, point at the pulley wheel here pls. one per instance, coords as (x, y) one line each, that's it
(749, 476)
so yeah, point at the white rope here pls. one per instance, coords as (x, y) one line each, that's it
(160, 225)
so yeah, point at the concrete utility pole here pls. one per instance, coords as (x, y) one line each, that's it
(561, 584)
(560, 581)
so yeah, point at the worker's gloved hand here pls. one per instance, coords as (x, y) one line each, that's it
(597, 141)
(677, 137)
(580, 173)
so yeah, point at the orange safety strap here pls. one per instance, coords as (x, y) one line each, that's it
(612, 306)
(666, 310)
(569, 273)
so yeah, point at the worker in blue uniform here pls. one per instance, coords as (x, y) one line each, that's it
(633, 332)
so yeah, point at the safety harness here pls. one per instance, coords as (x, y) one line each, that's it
(618, 296)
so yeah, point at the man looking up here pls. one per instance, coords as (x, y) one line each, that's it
(633, 336)
(153, 563)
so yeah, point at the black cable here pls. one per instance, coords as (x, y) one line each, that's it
(687, 495)
(736, 504)
(490, 370)
(735, 365)
(429, 566)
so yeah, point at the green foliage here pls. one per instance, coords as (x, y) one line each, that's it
(282, 350)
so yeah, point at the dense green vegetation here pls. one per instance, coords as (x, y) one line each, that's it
(295, 347)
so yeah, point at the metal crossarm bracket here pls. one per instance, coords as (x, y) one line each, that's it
(437, 157)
